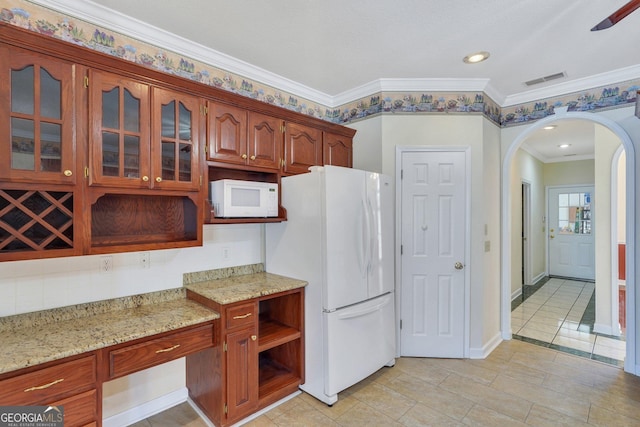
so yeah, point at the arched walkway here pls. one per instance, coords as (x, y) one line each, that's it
(627, 143)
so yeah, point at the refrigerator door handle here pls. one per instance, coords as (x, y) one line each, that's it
(348, 314)
(364, 233)
(367, 236)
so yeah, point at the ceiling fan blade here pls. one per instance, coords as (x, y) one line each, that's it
(616, 16)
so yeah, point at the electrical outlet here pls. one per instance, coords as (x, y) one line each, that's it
(106, 264)
(145, 260)
(226, 253)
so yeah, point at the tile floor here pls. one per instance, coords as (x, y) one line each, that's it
(560, 315)
(518, 384)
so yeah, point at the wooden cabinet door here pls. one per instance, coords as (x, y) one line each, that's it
(302, 148)
(36, 118)
(265, 142)
(119, 135)
(242, 373)
(175, 140)
(227, 134)
(337, 150)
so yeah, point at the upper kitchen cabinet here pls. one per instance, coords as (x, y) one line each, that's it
(119, 152)
(36, 118)
(337, 150)
(39, 201)
(141, 136)
(302, 148)
(175, 140)
(244, 138)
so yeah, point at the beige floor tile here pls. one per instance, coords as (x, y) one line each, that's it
(303, 416)
(364, 415)
(546, 417)
(344, 403)
(421, 415)
(261, 421)
(599, 416)
(420, 368)
(445, 402)
(612, 353)
(506, 404)
(560, 402)
(482, 416)
(385, 400)
(462, 367)
(611, 342)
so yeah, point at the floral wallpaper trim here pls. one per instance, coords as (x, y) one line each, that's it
(24, 14)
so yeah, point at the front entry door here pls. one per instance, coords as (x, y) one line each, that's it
(433, 227)
(571, 232)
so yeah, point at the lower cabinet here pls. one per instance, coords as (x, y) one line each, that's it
(260, 358)
(71, 384)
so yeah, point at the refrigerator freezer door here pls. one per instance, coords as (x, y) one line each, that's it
(346, 251)
(380, 212)
(359, 340)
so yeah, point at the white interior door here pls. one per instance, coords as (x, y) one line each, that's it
(433, 232)
(571, 232)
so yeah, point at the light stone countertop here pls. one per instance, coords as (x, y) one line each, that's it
(35, 338)
(232, 289)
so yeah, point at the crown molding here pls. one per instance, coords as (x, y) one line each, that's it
(577, 85)
(134, 28)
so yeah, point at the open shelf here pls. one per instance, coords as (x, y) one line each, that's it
(277, 375)
(124, 219)
(273, 333)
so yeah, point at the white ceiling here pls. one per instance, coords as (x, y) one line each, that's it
(336, 46)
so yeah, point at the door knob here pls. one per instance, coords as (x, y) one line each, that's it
(244, 156)
(145, 178)
(252, 157)
(551, 236)
(158, 179)
(458, 265)
(67, 173)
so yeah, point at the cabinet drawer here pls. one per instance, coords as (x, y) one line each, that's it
(134, 358)
(242, 315)
(79, 410)
(48, 384)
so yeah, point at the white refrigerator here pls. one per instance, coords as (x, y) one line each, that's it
(339, 237)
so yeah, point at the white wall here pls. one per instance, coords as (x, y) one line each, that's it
(367, 144)
(27, 286)
(483, 138)
(606, 145)
(527, 168)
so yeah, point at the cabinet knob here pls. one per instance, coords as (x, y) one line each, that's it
(253, 337)
(252, 157)
(158, 179)
(67, 173)
(145, 178)
(244, 156)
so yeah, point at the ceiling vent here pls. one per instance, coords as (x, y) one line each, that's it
(545, 79)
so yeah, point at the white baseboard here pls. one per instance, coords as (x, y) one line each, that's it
(482, 353)
(515, 294)
(147, 409)
(538, 277)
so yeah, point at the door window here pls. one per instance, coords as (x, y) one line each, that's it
(574, 213)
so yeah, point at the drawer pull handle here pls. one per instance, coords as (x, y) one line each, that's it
(244, 316)
(42, 387)
(164, 350)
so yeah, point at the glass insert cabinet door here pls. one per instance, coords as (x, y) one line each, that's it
(174, 148)
(574, 213)
(36, 107)
(119, 143)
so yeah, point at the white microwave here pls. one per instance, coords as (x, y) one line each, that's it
(232, 198)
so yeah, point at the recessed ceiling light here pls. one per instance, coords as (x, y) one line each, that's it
(564, 145)
(475, 57)
(550, 127)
